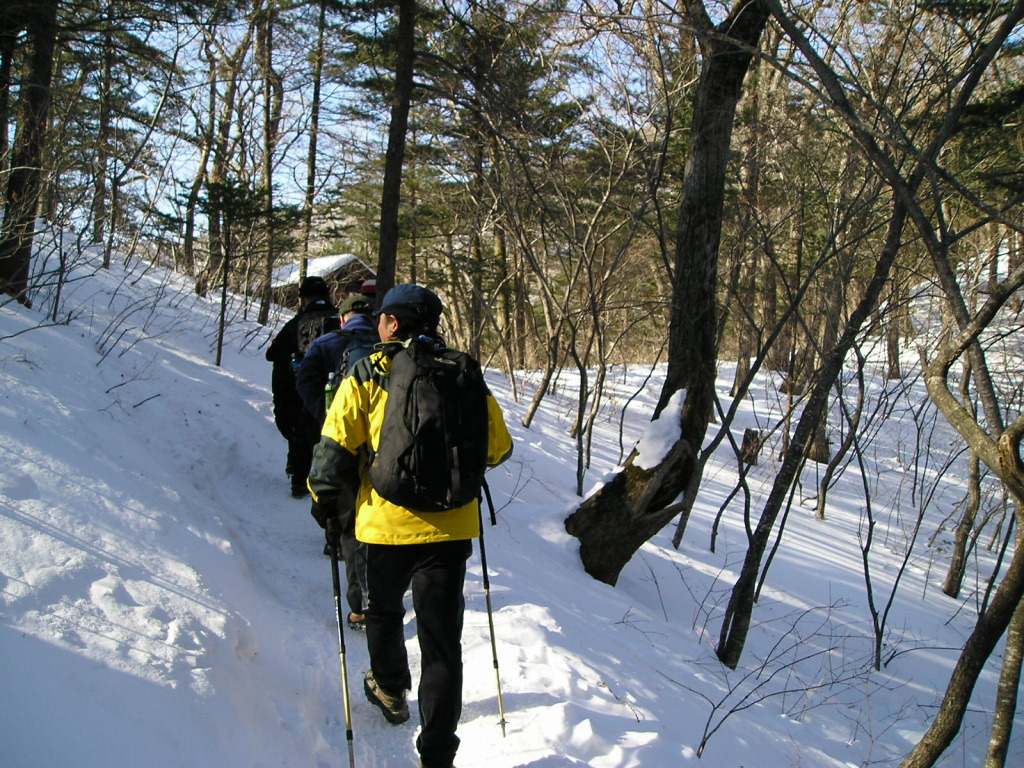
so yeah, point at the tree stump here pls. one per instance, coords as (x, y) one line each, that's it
(750, 450)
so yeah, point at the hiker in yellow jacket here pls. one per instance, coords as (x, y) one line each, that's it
(400, 546)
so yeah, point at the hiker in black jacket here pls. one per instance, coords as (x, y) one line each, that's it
(356, 337)
(296, 425)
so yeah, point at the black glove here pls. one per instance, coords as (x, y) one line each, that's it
(325, 513)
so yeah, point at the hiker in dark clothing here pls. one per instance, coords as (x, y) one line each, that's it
(358, 331)
(403, 548)
(356, 337)
(296, 425)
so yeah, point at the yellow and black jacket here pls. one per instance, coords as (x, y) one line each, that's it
(351, 430)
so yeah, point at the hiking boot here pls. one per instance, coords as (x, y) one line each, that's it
(299, 490)
(424, 765)
(394, 708)
(357, 621)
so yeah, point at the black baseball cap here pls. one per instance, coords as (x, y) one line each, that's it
(423, 302)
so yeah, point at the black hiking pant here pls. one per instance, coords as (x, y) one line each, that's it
(436, 572)
(304, 436)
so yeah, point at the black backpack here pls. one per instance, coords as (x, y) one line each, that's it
(360, 345)
(312, 325)
(432, 451)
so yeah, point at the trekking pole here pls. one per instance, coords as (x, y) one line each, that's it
(490, 612)
(490, 505)
(332, 533)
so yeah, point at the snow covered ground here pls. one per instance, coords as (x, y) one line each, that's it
(165, 602)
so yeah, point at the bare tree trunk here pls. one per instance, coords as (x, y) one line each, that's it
(1014, 258)
(1006, 695)
(853, 424)
(999, 448)
(273, 97)
(768, 299)
(523, 324)
(100, 212)
(26, 178)
(747, 323)
(225, 262)
(979, 646)
(964, 529)
(474, 270)
(616, 521)
(742, 281)
(314, 135)
(545, 382)
(413, 249)
(503, 324)
(220, 245)
(895, 327)
(736, 622)
(391, 194)
(196, 188)
(831, 306)
(9, 28)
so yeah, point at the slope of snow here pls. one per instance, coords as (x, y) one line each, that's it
(165, 602)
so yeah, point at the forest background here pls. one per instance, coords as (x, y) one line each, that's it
(778, 184)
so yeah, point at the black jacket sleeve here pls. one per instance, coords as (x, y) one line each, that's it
(285, 344)
(334, 475)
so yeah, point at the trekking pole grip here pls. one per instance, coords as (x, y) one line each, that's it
(490, 503)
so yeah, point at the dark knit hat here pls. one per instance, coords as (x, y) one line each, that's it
(314, 287)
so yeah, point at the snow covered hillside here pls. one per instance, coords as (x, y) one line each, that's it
(165, 602)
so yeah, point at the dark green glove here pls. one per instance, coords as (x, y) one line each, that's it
(324, 513)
